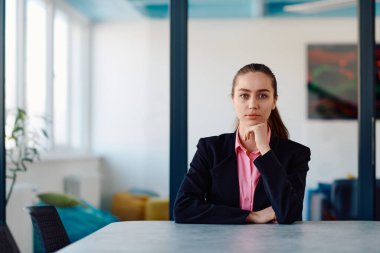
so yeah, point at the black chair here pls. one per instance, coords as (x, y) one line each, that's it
(7, 243)
(48, 227)
(344, 199)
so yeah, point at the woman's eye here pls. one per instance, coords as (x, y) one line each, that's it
(263, 96)
(244, 96)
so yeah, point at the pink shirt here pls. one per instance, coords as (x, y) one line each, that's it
(248, 174)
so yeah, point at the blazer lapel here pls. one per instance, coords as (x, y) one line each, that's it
(226, 176)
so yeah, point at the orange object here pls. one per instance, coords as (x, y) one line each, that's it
(157, 209)
(128, 207)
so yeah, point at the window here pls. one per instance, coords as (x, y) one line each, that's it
(35, 68)
(46, 58)
(10, 56)
(61, 82)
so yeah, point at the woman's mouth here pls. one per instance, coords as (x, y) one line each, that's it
(252, 116)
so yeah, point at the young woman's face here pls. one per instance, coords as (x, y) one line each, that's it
(253, 98)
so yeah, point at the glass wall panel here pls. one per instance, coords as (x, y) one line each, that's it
(312, 52)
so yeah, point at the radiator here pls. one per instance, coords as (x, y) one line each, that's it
(86, 187)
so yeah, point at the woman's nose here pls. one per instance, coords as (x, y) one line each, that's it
(253, 103)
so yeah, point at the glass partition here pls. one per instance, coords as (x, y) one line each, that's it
(312, 52)
(94, 78)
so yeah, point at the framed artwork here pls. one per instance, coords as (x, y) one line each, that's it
(332, 81)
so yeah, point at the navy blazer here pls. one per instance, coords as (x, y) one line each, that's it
(209, 192)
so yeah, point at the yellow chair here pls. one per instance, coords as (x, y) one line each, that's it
(157, 209)
(128, 207)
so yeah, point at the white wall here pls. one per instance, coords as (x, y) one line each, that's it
(131, 93)
(131, 106)
(219, 48)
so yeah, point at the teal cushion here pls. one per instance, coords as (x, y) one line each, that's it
(80, 221)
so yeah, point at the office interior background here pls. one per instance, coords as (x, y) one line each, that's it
(99, 71)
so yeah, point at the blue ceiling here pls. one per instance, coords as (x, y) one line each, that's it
(106, 10)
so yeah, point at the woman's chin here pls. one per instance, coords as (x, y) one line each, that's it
(252, 122)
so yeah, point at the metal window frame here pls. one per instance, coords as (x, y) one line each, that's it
(366, 190)
(2, 113)
(178, 96)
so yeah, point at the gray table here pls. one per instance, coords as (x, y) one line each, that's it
(166, 236)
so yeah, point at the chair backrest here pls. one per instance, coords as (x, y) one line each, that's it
(7, 243)
(48, 227)
(345, 200)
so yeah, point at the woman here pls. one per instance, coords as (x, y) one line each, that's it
(255, 175)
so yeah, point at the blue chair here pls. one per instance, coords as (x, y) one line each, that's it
(48, 227)
(319, 203)
(7, 243)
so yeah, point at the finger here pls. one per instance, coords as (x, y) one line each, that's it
(252, 134)
(246, 135)
(257, 126)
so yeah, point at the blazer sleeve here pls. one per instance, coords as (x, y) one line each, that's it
(285, 187)
(191, 205)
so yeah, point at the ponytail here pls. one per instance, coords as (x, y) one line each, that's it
(277, 126)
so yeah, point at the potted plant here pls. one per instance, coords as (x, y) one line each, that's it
(23, 144)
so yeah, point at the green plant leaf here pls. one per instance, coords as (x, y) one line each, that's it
(23, 166)
(18, 129)
(25, 143)
(44, 132)
(28, 160)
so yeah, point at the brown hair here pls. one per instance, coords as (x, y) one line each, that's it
(275, 122)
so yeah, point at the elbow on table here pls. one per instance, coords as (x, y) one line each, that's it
(288, 219)
(180, 216)
(185, 214)
(288, 214)
(183, 209)
(180, 220)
